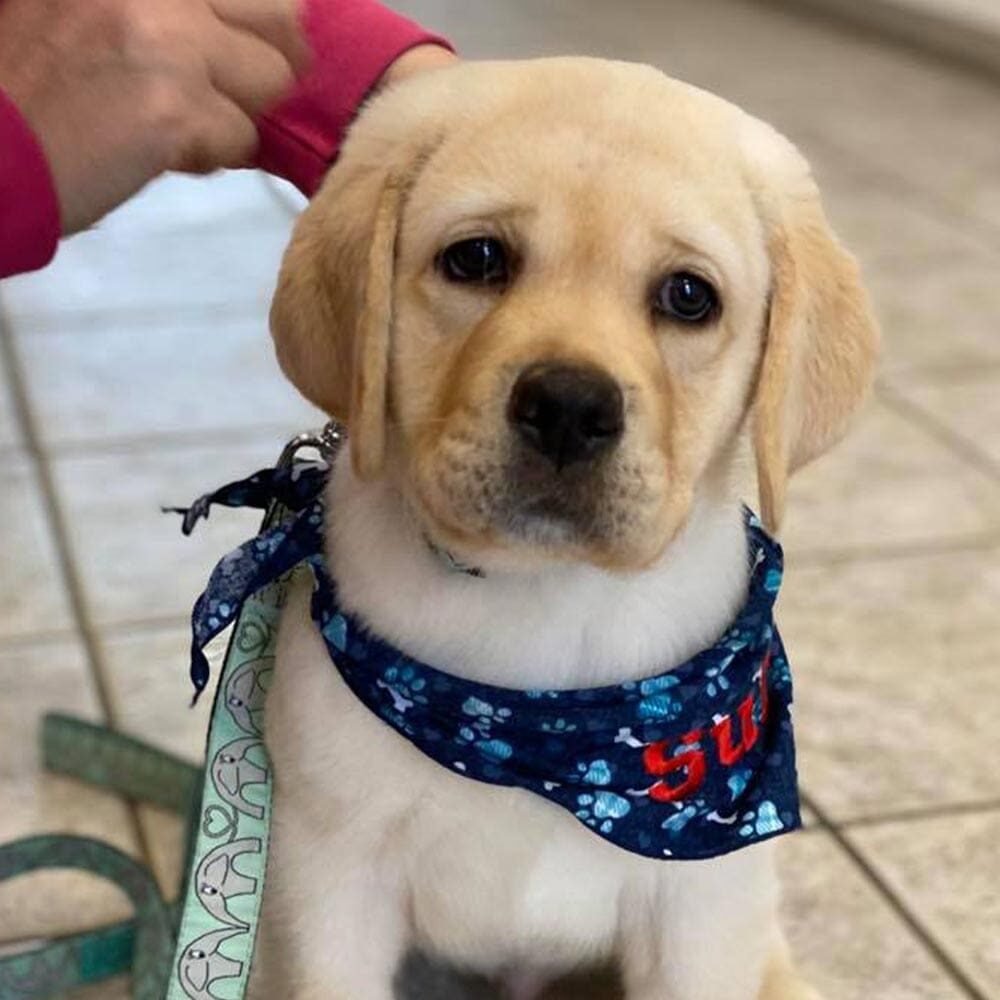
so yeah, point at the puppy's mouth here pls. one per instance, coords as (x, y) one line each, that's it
(550, 505)
(553, 472)
(501, 497)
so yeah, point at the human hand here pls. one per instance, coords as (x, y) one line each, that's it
(119, 91)
(419, 59)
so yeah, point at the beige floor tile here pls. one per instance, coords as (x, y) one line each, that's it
(809, 818)
(878, 104)
(35, 679)
(165, 835)
(147, 673)
(133, 378)
(885, 106)
(134, 562)
(519, 29)
(32, 599)
(896, 680)
(947, 872)
(966, 402)
(888, 484)
(9, 435)
(216, 268)
(175, 203)
(879, 224)
(151, 697)
(845, 938)
(943, 148)
(938, 311)
(119, 988)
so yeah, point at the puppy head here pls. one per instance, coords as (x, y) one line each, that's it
(546, 297)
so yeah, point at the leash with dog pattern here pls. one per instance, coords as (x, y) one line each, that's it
(173, 951)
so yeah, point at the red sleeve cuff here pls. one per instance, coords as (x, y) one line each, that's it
(353, 43)
(29, 208)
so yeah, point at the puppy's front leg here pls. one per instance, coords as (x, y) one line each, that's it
(700, 930)
(781, 981)
(333, 926)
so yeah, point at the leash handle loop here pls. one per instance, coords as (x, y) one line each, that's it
(91, 957)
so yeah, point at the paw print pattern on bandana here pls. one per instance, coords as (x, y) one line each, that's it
(601, 809)
(404, 685)
(717, 680)
(761, 821)
(480, 732)
(598, 772)
(737, 782)
(676, 823)
(335, 632)
(692, 762)
(657, 702)
(558, 727)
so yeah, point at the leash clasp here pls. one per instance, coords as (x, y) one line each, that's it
(327, 442)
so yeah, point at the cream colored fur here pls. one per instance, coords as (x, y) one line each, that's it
(602, 176)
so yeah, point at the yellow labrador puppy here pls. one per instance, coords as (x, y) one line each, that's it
(550, 298)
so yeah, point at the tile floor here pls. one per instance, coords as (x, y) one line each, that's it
(136, 370)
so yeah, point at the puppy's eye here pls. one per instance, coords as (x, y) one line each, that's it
(481, 260)
(686, 297)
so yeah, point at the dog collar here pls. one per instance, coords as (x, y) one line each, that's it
(690, 763)
(449, 561)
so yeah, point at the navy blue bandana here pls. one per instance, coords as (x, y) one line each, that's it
(691, 763)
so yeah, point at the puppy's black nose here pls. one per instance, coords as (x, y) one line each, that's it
(568, 413)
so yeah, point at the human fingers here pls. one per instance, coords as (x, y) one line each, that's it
(222, 135)
(247, 70)
(277, 22)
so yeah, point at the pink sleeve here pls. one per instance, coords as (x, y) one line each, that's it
(353, 42)
(29, 208)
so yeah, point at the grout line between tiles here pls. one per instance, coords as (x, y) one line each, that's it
(59, 533)
(955, 442)
(918, 813)
(109, 630)
(895, 902)
(805, 558)
(283, 200)
(202, 437)
(154, 623)
(50, 637)
(960, 370)
(947, 43)
(84, 320)
(930, 201)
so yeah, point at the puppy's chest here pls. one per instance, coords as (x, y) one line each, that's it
(489, 873)
(499, 875)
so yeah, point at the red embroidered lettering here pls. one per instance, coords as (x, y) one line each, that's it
(722, 731)
(659, 764)
(765, 666)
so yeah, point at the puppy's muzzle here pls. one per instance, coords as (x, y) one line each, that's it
(567, 413)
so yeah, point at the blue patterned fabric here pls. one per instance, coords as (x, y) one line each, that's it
(690, 763)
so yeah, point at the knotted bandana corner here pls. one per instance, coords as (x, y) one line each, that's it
(691, 763)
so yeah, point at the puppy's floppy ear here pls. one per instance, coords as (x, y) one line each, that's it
(821, 341)
(332, 311)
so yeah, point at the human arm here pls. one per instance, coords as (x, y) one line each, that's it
(29, 207)
(101, 96)
(357, 46)
(104, 96)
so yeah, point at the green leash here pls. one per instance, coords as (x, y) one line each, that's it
(200, 948)
(91, 958)
(226, 875)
